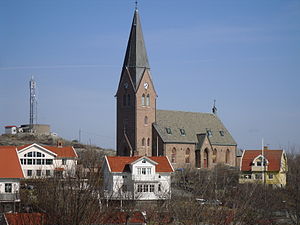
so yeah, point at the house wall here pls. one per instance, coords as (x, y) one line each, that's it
(69, 167)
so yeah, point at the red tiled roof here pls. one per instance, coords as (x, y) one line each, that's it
(120, 218)
(10, 166)
(25, 218)
(273, 156)
(62, 152)
(120, 163)
(10, 126)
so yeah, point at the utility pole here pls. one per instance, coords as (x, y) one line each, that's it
(33, 103)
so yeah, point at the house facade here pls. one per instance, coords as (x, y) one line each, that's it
(39, 161)
(137, 178)
(188, 139)
(264, 166)
(10, 175)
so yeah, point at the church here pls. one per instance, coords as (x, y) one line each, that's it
(188, 139)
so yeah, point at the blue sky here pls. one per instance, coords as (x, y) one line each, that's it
(244, 54)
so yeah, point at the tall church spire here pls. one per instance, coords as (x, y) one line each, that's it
(136, 60)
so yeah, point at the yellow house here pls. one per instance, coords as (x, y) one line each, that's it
(264, 166)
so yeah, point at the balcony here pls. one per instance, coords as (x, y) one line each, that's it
(9, 197)
(145, 178)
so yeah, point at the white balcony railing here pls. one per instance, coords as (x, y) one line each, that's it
(9, 197)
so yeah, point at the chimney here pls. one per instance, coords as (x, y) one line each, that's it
(59, 143)
(265, 147)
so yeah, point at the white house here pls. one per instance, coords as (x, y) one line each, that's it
(10, 175)
(138, 177)
(11, 129)
(46, 161)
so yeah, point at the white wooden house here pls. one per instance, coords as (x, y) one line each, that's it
(46, 161)
(138, 177)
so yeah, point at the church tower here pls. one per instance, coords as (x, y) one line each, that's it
(136, 97)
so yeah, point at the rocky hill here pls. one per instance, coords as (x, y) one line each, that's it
(24, 139)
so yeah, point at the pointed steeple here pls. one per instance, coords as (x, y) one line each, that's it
(136, 60)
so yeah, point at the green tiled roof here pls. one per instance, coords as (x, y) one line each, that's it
(193, 124)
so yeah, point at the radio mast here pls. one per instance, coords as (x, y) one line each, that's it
(33, 104)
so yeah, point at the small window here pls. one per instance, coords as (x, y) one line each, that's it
(271, 176)
(146, 120)
(128, 99)
(148, 100)
(140, 188)
(182, 132)
(144, 171)
(148, 142)
(159, 187)
(38, 154)
(29, 173)
(143, 161)
(139, 170)
(8, 188)
(143, 142)
(148, 170)
(221, 133)
(47, 173)
(29, 154)
(209, 133)
(169, 131)
(258, 176)
(29, 161)
(124, 100)
(64, 161)
(151, 187)
(49, 161)
(146, 188)
(38, 173)
(39, 162)
(143, 100)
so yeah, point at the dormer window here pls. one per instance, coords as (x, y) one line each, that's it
(143, 161)
(182, 132)
(209, 133)
(169, 131)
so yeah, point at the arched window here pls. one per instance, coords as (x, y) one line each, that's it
(143, 142)
(146, 120)
(124, 100)
(187, 155)
(206, 158)
(227, 156)
(215, 155)
(173, 155)
(143, 100)
(148, 142)
(148, 100)
(128, 99)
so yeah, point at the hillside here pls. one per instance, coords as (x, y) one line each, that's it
(24, 139)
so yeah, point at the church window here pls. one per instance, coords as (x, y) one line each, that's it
(128, 99)
(173, 155)
(169, 131)
(148, 142)
(148, 100)
(143, 142)
(214, 158)
(143, 100)
(146, 120)
(187, 155)
(124, 100)
(182, 132)
(227, 156)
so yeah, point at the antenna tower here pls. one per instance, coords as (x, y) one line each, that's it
(33, 103)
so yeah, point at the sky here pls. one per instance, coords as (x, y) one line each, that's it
(244, 54)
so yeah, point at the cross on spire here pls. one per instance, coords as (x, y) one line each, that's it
(136, 4)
